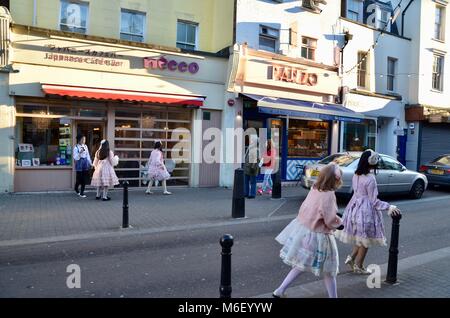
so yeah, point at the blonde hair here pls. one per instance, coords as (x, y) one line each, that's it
(329, 179)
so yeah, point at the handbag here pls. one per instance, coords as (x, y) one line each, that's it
(115, 160)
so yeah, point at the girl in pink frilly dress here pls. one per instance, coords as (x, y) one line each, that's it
(363, 221)
(308, 241)
(157, 171)
(104, 175)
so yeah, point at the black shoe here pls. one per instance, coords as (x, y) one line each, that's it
(97, 198)
(107, 199)
(251, 197)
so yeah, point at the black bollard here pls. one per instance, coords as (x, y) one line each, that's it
(225, 276)
(238, 207)
(391, 277)
(125, 205)
(276, 188)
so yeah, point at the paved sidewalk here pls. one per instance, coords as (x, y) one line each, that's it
(54, 215)
(420, 276)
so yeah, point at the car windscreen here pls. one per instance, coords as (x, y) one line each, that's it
(443, 161)
(342, 160)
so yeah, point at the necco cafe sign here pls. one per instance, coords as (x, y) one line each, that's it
(163, 63)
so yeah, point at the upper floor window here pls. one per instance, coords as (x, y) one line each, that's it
(74, 15)
(383, 20)
(187, 35)
(309, 48)
(439, 23)
(268, 38)
(353, 9)
(438, 68)
(132, 25)
(362, 70)
(391, 68)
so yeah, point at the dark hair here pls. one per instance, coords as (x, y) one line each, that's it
(363, 165)
(79, 137)
(103, 153)
(157, 145)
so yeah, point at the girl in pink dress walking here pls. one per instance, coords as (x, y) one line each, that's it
(308, 241)
(363, 221)
(104, 175)
(157, 171)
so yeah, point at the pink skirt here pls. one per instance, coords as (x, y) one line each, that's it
(156, 173)
(104, 175)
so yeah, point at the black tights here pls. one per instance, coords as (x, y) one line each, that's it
(81, 180)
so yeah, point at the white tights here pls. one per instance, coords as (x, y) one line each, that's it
(103, 191)
(150, 183)
(329, 280)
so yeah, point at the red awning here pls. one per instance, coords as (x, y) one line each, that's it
(123, 95)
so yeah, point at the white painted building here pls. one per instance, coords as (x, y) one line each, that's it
(278, 45)
(416, 49)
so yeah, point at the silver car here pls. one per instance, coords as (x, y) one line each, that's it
(392, 176)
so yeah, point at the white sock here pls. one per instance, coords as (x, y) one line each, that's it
(98, 191)
(164, 184)
(149, 187)
(287, 281)
(330, 284)
(105, 192)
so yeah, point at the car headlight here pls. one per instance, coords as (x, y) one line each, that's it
(308, 172)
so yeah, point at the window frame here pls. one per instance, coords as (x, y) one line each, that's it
(441, 35)
(440, 87)
(276, 39)
(309, 48)
(358, 3)
(197, 26)
(87, 15)
(144, 25)
(365, 70)
(391, 75)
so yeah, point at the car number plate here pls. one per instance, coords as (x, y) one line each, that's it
(435, 171)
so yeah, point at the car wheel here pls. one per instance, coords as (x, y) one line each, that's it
(417, 189)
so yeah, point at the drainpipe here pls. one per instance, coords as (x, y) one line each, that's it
(34, 12)
(403, 16)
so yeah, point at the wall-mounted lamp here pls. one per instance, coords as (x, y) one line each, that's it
(239, 114)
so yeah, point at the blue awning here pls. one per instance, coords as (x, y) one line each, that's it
(299, 108)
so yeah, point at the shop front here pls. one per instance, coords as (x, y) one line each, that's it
(292, 95)
(428, 134)
(64, 87)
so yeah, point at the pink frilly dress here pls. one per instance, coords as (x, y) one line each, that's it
(104, 174)
(308, 240)
(156, 168)
(363, 220)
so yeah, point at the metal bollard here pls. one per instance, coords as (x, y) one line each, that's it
(225, 276)
(125, 223)
(276, 188)
(238, 206)
(391, 277)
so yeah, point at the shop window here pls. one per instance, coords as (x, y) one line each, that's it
(309, 46)
(206, 115)
(43, 142)
(132, 25)
(359, 136)
(32, 109)
(268, 38)
(187, 35)
(63, 110)
(307, 139)
(74, 15)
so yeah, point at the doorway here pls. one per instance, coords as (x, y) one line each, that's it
(94, 133)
